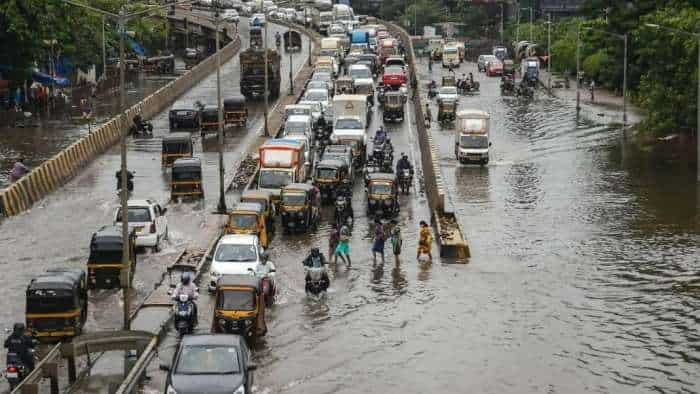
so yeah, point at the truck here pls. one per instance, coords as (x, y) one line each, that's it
(282, 161)
(253, 72)
(331, 46)
(351, 118)
(472, 136)
(344, 14)
(359, 37)
(530, 70)
(325, 21)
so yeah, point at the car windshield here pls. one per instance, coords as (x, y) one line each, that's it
(208, 360)
(380, 188)
(348, 124)
(474, 141)
(316, 95)
(231, 253)
(243, 221)
(273, 179)
(136, 214)
(448, 90)
(236, 300)
(326, 173)
(360, 72)
(396, 63)
(472, 124)
(317, 85)
(293, 198)
(393, 70)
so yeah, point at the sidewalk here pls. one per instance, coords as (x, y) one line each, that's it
(606, 108)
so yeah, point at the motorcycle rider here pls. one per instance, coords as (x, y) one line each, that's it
(266, 269)
(22, 345)
(278, 39)
(186, 286)
(404, 164)
(315, 259)
(380, 136)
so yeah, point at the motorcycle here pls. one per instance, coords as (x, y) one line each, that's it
(317, 280)
(405, 179)
(184, 315)
(129, 181)
(15, 370)
(141, 127)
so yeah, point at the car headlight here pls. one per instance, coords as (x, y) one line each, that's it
(214, 274)
(170, 390)
(222, 322)
(240, 390)
(300, 214)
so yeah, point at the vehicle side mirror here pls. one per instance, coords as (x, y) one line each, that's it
(252, 367)
(164, 366)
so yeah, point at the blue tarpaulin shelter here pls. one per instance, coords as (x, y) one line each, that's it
(46, 79)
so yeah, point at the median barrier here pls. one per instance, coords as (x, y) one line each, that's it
(20, 196)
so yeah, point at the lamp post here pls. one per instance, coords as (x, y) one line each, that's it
(222, 198)
(578, 69)
(697, 125)
(501, 25)
(549, 52)
(291, 75)
(265, 93)
(622, 37)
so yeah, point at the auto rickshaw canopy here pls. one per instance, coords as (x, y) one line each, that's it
(449, 80)
(177, 143)
(235, 103)
(251, 282)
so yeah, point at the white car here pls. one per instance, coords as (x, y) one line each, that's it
(447, 93)
(231, 16)
(148, 220)
(235, 254)
(299, 125)
(290, 14)
(361, 74)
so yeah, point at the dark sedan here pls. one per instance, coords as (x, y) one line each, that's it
(184, 116)
(211, 363)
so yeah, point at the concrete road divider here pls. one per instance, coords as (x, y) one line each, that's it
(53, 173)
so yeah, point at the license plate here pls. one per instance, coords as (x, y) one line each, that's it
(138, 229)
(472, 157)
(12, 375)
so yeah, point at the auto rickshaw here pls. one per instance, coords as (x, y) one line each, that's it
(382, 194)
(263, 197)
(292, 41)
(192, 57)
(393, 107)
(240, 306)
(449, 80)
(446, 111)
(299, 207)
(344, 85)
(104, 266)
(186, 179)
(159, 64)
(248, 218)
(209, 120)
(57, 304)
(329, 176)
(235, 111)
(176, 146)
(256, 39)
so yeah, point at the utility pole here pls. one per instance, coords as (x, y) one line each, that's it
(517, 24)
(578, 70)
(624, 86)
(126, 255)
(265, 93)
(549, 51)
(222, 198)
(104, 50)
(291, 75)
(501, 27)
(530, 23)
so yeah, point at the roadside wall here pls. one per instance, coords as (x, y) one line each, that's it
(56, 171)
(432, 176)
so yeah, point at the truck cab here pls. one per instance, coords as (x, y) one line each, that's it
(281, 163)
(450, 55)
(472, 137)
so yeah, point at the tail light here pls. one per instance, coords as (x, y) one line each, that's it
(11, 368)
(153, 228)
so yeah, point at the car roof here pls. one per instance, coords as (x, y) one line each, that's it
(187, 162)
(249, 206)
(256, 193)
(109, 232)
(380, 176)
(331, 163)
(140, 202)
(57, 280)
(300, 186)
(239, 239)
(212, 339)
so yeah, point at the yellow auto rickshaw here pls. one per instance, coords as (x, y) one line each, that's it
(176, 146)
(449, 80)
(263, 197)
(186, 179)
(248, 218)
(235, 111)
(329, 177)
(393, 106)
(382, 195)
(105, 267)
(240, 306)
(447, 110)
(209, 120)
(57, 304)
(299, 207)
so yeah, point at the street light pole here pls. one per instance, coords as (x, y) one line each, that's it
(517, 25)
(530, 23)
(578, 69)
(291, 75)
(549, 51)
(501, 27)
(624, 86)
(222, 199)
(104, 50)
(267, 132)
(126, 256)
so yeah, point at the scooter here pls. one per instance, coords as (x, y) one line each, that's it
(405, 178)
(15, 370)
(184, 315)
(268, 288)
(317, 280)
(141, 127)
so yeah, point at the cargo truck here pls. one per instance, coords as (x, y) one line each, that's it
(253, 72)
(282, 162)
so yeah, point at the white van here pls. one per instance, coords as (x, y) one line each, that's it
(472, 136)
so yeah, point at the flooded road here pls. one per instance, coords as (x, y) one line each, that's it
(56, 231)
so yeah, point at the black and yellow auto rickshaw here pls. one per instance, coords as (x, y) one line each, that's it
(393, 106)
(382, 195)
(299, 207)
(176, 146)
(344, 85)
(263, 197)
(105, 262)
(209, 120)
(235, 111)
(292, 41)
(240, 306)
(248, 218)
(330, 175)
(447, 110)
(57, 304)
(186, 179)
